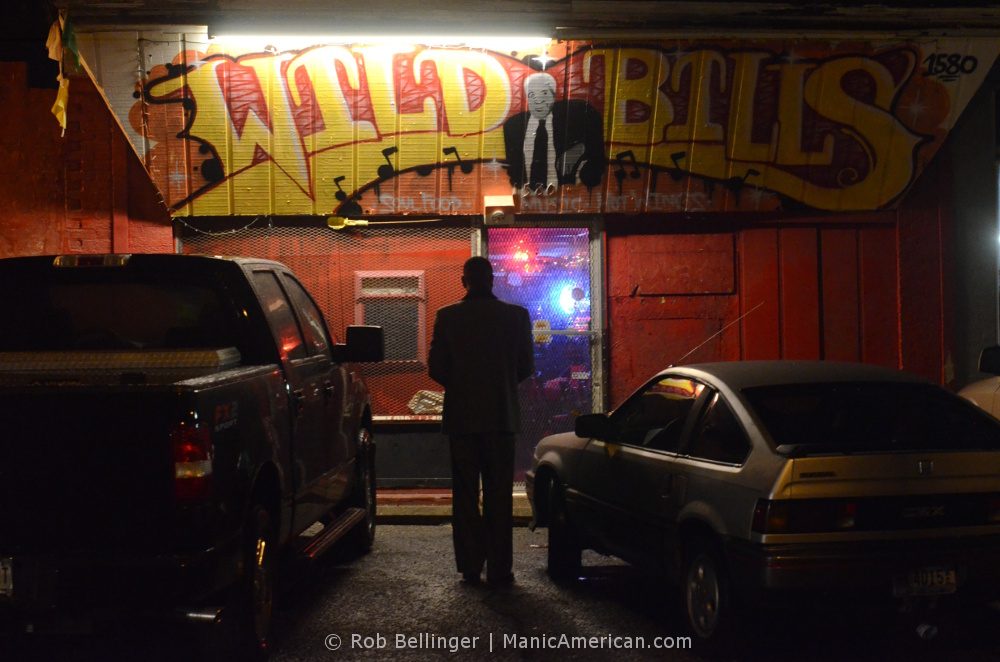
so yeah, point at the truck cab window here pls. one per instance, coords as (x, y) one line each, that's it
(280, 316)
(313, 326)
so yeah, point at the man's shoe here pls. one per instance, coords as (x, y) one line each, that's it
(471, 578)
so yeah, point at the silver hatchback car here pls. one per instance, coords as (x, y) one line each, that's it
(743, 480)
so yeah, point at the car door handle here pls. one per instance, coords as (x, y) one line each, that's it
(328, 388)
(668, 487)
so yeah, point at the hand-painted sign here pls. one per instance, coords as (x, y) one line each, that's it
(590, 128)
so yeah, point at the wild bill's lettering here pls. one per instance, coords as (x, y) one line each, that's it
(832, 129)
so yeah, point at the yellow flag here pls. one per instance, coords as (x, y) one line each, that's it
(62, 99)
(54, 44)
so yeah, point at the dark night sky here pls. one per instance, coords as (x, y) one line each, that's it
(23, 30)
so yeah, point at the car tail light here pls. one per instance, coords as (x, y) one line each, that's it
(804, 515)
(192, 450)
(770, 516)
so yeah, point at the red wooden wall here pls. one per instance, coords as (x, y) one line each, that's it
(871, 287)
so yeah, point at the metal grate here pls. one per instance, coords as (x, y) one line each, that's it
(396, 277)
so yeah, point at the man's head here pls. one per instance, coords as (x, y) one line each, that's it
(540, 90)
(477, 274)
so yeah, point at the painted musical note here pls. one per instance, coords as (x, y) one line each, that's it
(736, 184)
(466, 166)
(348, 206)
(211, 168)
(621, 158)
(677, 173)
(340, 194)
(386, 170)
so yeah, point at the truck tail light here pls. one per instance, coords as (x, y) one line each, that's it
(192, 450)
(804, 515)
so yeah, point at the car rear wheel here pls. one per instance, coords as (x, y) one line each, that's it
(706, 598)
(564, 546)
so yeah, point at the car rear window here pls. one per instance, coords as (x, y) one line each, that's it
(844, 418)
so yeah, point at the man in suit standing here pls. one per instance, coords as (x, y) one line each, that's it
(481, 349)
(554, 142)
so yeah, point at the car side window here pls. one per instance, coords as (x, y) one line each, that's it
(654, 418)
(718, 436)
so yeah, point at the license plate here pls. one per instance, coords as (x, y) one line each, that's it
(937, 580)
(6, 577)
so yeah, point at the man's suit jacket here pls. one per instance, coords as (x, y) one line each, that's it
(573, 122)
(481, 349)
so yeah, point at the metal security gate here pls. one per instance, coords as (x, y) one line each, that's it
(554, 272)
(393, 276)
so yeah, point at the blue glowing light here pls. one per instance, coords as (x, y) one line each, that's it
(566, 301)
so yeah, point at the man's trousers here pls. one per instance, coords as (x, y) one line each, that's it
(485, 536)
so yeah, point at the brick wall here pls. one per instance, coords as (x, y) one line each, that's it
(85, 192)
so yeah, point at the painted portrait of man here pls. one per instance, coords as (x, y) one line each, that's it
(555, 142)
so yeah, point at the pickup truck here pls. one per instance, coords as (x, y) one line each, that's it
(172, 425)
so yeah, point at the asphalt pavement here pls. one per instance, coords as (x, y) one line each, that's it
(404, 601)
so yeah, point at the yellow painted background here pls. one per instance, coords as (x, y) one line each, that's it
(829, 125)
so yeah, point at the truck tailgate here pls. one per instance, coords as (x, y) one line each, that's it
(85, 458)
(85, 468)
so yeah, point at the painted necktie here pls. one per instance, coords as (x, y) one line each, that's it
(540, 156)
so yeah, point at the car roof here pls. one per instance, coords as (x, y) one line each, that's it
(739, 375)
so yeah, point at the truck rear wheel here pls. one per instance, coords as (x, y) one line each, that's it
(362, 536)
(244, 630)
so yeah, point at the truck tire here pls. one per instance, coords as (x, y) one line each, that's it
(564, 546)
(244, 633)
(361, 538)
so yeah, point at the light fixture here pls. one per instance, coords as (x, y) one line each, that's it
(498, 209)
(284, 42)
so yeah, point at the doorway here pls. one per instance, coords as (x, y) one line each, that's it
(555, 273)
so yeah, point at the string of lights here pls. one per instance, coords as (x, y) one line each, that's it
(334, 222)
(210, 233)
